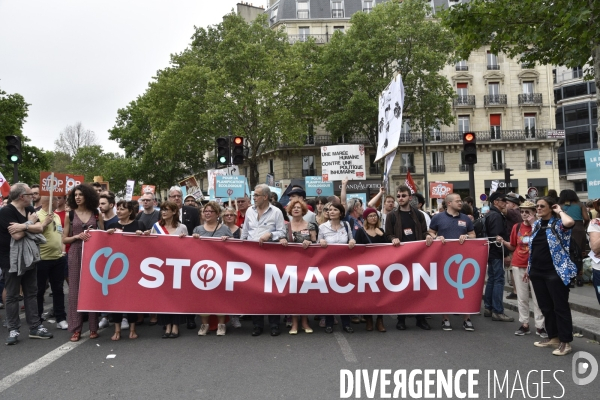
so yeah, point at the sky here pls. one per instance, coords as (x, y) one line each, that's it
(82, 60)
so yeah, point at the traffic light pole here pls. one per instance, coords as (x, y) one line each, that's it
(472, 181)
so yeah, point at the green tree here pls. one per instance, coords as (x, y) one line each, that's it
(533, 31)
(59, 161)
(358, 65)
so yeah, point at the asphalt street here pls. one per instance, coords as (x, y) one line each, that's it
(239, 366)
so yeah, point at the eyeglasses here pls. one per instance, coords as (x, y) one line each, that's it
(175, 196)
(540, 206)
(401, 196)
(228, 215)
(257, 195)
(27, 194)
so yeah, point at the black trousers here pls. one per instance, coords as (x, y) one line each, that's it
(329, 320)
(53, 271)
(259, 321)
(553, 299)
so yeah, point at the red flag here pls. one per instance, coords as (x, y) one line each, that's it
(4, 186)
(410, 183)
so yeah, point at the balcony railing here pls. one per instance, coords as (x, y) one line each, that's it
(404, 169)
(465, 167)
(533, 165)
(462, 67)
(319, 38)
(493, 67)
(464, 101)
(498, 167)
(437, 168)
(494, 100)
(375, 170)
(309, 172)
(530, 99)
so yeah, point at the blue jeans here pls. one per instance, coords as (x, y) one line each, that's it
(596, 283)
(494, 288)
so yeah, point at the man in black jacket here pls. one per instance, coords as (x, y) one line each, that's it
(406, 224)
(190, 217)
(495, 225)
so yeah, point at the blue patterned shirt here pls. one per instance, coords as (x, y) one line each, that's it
(565, 268)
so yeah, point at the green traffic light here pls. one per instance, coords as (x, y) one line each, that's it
(222, 159)
(14, 158)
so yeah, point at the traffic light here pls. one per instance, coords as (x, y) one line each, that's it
(470, 148)
(507, 176)
(13, 149)
(223, 151)
(237, 153)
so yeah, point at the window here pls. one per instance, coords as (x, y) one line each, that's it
(274, 14)
(436, 135)
(495, 120)
(464, 123)
(437, 161)
(304, 32)
(374, 168)
(368, 5)
(462, 89)
(407, 162)
(337, 9)
(338, 29)
(577, 115)
(581, 186)
(528, 87)
(492, 61)
(405, 131)
(575, 90)
(308, 166)
(494, 88)
(302, 9)
(497, 160)
(577, 72)
(462, 65)
(529, 126)
(533, 161)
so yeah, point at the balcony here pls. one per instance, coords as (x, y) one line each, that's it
(462, 67)
(493, 67)
(498, 167)
(309, 172)
(437, 168)
(374, 170)
(404, 169)
(533, 165)
(467, 101)
(494, 100)
(318, 38)
(530, 99)
(465, 167)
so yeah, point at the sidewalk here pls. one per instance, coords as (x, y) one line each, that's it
(584, 309)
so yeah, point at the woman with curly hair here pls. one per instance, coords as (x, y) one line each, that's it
(83, 202)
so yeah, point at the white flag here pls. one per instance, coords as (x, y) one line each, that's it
(129, 190)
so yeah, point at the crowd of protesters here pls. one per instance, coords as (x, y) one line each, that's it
(41, 246)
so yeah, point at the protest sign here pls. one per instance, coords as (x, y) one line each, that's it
(212, 177)
(343, 162)
(361, 196)
(592, 169)
(62, 183)
(230, 186)
(316, 187)
(439, 190)
(129, 189)
(391, 104)
(148, 189)
(168, 274)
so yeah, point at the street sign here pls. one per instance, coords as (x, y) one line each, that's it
(483, 197)
(532, 192)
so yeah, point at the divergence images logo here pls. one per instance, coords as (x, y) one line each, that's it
(459, 283)
(105, 279)
(584, 363)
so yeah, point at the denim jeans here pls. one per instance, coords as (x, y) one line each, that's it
(494, 288)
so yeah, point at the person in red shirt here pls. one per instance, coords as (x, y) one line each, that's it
(242, 205)
(519, 244)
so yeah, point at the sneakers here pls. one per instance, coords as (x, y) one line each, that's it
(40, 333)
(124, 324)
(468, 325)
(487, 313)
(502, 317)
(563, 349)
(522, 331)
(446, 325)
(62, 325)
(554, 342)
(203, 330)
(512, 296)
(221, 329)
(235, 322)
(103, 323)
(13, 337)
(288, 321)
(541, 333)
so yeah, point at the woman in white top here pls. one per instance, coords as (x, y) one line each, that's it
(336, 231)
(594, 231)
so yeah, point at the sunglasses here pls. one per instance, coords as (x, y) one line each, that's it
(401, 196)
(229, 215)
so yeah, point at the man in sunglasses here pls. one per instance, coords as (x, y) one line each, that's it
(406, 224)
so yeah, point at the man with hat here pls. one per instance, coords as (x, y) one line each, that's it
(297, 193)
(495, 225)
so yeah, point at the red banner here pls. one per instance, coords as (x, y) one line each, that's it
(62, 183)
(168, 274)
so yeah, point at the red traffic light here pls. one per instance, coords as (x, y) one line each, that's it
(238, 141)
(468, 137)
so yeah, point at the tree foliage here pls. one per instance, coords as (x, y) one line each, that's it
(73, 138)
(356, 66)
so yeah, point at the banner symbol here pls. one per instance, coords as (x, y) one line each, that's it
(459, 284)
(104, 280)
(207, 274)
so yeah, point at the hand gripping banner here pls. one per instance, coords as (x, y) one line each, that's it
(168, 274)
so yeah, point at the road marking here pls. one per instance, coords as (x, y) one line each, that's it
(345, 346)
(40, 363)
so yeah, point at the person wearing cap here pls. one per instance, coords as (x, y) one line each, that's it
(520, 237)
(298, 193)
(368, 234)
(190, 201)
(495, 226)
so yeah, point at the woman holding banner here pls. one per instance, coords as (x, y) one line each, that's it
(302, 232)
(229, 220)
(371, 234)
(336, 231)
(168, 224)
(83, 202)
(212, 228)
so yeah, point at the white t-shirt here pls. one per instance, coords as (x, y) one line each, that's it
(594, 226)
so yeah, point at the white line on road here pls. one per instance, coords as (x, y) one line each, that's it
(345, 346)
(40, 363)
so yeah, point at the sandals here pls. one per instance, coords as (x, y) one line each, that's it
(76, 336)
(93, 334)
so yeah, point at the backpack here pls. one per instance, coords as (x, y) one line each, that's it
(479, 227)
